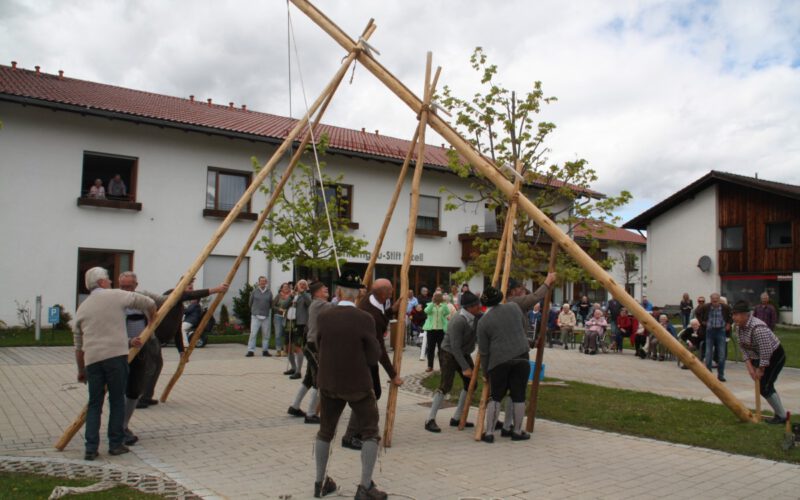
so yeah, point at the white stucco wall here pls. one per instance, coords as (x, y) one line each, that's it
(617, 271)
(42, 226)
(675, 242)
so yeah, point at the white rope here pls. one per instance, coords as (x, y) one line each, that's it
(62, 491)
(313, 141)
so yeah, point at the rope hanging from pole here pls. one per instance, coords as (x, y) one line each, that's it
(313, 138)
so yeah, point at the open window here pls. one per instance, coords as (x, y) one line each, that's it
(114, 261)
(224, 188)
(109, 181)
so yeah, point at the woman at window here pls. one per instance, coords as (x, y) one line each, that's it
(97, 190)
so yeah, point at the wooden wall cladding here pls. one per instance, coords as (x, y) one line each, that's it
(753, 210)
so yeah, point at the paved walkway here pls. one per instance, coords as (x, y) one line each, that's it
(224, 433)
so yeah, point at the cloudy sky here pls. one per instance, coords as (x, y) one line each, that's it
(653, 94)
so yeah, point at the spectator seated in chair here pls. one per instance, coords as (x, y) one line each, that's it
(595, 326)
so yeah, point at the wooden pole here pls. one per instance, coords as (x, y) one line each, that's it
(391, 403)
(473, 381)
(387, 219)
(276, 192)
(490, 171)
(505, 257)
(173, 297)
(757, 418)
(533, 400)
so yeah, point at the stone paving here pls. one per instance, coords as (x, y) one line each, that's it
(224, 433)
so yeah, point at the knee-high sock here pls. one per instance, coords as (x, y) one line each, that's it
(369, 455)
(130, 406)
(301, 392)
(462, 398)
(312, 403)
(438, 397)
(292, 361)
(492, 409)
(775, 402)
(423, 347)
(321, 451)
(519, 415)
(299, 360)
(508, 419)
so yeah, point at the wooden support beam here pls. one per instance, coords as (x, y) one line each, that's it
(187, 277)
(490, 171)
(533, 400)
(276, 192)
(391, 403)
(387, 219)
(505, 257)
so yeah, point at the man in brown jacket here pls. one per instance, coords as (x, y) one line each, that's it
(376, 304)
(347, 349)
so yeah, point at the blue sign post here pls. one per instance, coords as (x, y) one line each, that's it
(53, 315)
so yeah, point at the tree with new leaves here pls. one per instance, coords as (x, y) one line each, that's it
(504, 127)
(299, 225)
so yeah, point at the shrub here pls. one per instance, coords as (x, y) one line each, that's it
(63, 322)
(24, 314)
(224, 316)
(241, 304)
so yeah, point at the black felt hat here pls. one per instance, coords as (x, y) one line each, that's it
(469, 299)
(350, 280)
(741, 306)
(491, 296)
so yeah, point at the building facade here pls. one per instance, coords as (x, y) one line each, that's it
(183, 164)
(729, 233)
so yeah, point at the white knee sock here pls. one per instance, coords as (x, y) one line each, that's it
(438, 397)
(462, 398)
(519, 415)
(775, 402)
(301, 393)
(312, 403)
(492, 409)
(508, 419)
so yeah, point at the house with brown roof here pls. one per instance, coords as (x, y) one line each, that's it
(171, 168)
(725, 232)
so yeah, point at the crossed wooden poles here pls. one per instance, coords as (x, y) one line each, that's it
(356, 51)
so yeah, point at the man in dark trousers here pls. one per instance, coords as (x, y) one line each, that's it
(456, 356)
(716, 317)
(348, 349)
(377, 305)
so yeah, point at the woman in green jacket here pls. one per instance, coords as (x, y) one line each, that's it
(435, 325)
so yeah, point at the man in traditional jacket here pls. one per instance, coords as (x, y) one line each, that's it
(347, 349)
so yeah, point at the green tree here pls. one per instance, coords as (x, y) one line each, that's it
(300, 232)
(241, 305)
(504, 127)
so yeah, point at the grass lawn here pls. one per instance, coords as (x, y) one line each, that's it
(34, 486)
(695, 423)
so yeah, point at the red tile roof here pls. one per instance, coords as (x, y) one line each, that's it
(97, 98)
(608, 232)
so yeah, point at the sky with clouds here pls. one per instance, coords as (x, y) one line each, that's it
(653, 94)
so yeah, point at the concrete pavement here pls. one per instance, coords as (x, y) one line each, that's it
(225, 433)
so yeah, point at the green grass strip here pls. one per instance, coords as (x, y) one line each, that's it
(689, 422)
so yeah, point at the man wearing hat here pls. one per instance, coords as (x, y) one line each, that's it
(455, 356)
(504, 355)
(763, 356)
(347, 349)
(319, 302)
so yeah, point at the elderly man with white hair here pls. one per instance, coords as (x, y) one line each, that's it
(101, 352)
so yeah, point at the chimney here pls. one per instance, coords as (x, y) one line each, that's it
(756, 175)
(209, 102)
(191, 98)
(363, 130)
(61, 74)
(37, 69)
(244, 107)
(13, 64)
(230, 104)
(376, 132)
